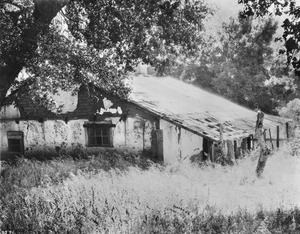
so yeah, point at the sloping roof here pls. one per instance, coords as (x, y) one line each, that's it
(196, 109)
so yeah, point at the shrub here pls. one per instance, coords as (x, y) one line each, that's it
(291, 110)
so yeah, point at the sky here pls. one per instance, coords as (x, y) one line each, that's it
(230, 8)
(224, 10)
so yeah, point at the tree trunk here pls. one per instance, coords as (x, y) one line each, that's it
(44, 12)
(264, 151)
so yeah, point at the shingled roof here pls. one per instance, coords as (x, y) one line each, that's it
(196, 109)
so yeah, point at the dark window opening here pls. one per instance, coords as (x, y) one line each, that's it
(207, 148)
(249, 142)
(99, 135)
(15, 141)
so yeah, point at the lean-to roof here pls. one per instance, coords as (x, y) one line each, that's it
(196, 109)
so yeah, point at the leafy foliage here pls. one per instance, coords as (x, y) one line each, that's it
(291, 24)
(61, 43)
(242, 69)
(237, 65)
(291, 110)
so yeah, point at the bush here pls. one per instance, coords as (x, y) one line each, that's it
(291, 110)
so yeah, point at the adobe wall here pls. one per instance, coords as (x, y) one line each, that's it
(178, 143)
(53, 135)
(133, 130)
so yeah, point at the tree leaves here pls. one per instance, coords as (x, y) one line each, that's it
(103, 40)
(291, 24)
(236, 64)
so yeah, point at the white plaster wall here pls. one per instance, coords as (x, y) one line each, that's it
(119, 135)
(171, 144)
(138, 133)
(53, 133)
(50, 134)
(46, 135)
(179, 144)
(191, 144)
(149, 127)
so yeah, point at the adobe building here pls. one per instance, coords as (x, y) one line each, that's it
(169, 119)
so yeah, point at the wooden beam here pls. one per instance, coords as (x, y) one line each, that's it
(160, 144)
(213, 152)
(230, 147)
(221, 132)
(271, 138)
(236, 153)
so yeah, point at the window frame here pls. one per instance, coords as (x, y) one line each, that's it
(13, 136)
(98, 131)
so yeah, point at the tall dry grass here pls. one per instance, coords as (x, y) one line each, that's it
(180, 198)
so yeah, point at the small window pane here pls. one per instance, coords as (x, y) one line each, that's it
(105, 141)
(98, 141)
(15, 145)
(98, 132)
(91, 131)
(105, 131)
(99, 136)
(91, 140)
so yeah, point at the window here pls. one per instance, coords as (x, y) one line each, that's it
(15, 141)
(99, 134)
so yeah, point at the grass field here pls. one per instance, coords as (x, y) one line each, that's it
(108, 194)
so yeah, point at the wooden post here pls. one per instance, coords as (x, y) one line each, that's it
(231, 153)
(277, 138)
(222, 148)
(221, 132)
(160, 144)
(264, 151)
(287, 130)
(271, 138)
(213, 152)
(222, 157)
(236, 153)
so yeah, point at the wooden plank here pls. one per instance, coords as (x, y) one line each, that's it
(270, 138)
(160, 144)
(221, 132)
(230, 153)
(249, 142)
(277, 138)
(222, 141)
(236, 152)
(273, 139)
(213, 152)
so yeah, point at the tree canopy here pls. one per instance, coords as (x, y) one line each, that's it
(65, 42)
(238, 63)
(291, 25)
